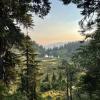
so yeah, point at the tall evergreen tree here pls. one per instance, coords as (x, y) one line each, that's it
(29, 74)
(14, 13)
(88, 57)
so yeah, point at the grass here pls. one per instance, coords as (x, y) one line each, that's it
(54, 94)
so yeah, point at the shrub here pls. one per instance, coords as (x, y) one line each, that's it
(44, 87)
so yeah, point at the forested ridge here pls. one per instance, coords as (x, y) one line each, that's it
(29, 72)
(65, 51)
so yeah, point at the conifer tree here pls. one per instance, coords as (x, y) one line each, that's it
(30, 71)
(13, 14)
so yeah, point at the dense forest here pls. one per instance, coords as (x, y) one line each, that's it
(30, 72)
(65, 51)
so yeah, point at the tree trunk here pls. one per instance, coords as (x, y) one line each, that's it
(90, 96)
(67, 86)
(70, 86)
(78, 95)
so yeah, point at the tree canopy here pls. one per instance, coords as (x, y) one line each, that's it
(14, 13)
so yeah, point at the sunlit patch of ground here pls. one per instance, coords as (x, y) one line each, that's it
(53, 94)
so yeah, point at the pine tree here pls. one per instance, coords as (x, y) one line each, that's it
(30, 71)
(88, 58)
(12, 13)
(46, 78)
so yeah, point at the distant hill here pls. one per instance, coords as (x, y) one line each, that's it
(61, 50)
(64, 51)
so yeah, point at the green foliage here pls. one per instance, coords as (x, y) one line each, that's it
(19, 10)
(46, 78)
(28, 77)
(60, 77)
(53, 77)
(49, 98)
(8, 70)
(3, 90)
(87, 59)
(62, 85)
(12, 13)
(18, 96)
(45, 87)
(64, 51)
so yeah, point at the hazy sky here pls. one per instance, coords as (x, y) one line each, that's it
(60, 25)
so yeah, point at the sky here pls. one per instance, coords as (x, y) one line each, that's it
(60, 25)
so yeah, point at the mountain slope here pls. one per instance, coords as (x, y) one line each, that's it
(64, 51)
